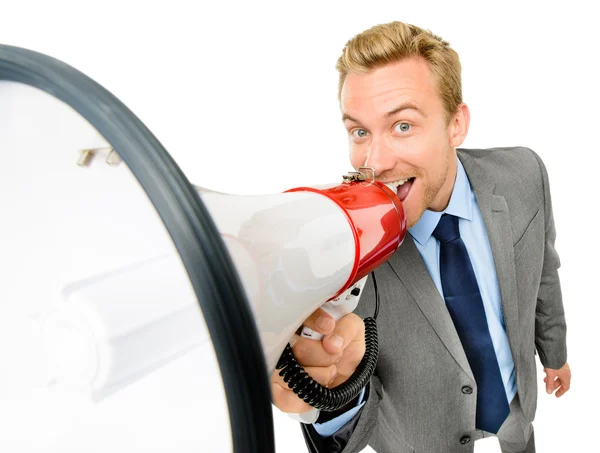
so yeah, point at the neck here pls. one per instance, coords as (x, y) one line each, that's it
(441, 200)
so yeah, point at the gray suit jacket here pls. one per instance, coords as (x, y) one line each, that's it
(415, 401)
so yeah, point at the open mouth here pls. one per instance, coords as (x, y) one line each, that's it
(401, 187)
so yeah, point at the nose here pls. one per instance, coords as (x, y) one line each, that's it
(380, 156)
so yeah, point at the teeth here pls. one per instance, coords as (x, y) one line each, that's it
(394, 184)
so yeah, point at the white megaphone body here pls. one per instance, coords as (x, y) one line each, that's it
(296, 251)
(306, 248)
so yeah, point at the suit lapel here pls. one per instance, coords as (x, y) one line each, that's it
(408, 265)
(496, 217)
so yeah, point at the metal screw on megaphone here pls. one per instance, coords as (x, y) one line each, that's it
(371, 169)
(359, 175)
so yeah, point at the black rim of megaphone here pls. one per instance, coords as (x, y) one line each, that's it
(217, 285)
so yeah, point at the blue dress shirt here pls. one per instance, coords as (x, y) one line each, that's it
(463, 204)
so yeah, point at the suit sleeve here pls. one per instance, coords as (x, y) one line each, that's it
(330, 422)
(550, 324)
(354, 436)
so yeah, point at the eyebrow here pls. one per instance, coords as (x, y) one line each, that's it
(400, 108)
(345, 117)
(407, 106)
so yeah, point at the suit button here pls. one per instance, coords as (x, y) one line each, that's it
(465, 439)
(467, 390)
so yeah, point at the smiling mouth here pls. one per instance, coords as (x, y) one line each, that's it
(401, 187)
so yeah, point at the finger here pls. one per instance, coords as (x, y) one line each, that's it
(321, 322)
(551, 386)
(347, 329)
(286, 400)
(565, 385)
(550, 382)
(323, 375)
(561, 391)
(312, 353)
(353, 354)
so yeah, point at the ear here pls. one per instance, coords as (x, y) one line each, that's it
(459, 125)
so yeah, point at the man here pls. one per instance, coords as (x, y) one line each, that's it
(472, 292)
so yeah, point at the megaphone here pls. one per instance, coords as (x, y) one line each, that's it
(115, 300)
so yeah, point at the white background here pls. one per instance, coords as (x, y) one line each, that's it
(243, 95)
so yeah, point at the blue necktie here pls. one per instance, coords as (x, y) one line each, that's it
(465, 306)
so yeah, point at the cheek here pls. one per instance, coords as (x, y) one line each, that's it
(430, 155)
(416, 152)
(357, 156)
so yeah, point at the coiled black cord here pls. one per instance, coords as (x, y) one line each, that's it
(320, 397)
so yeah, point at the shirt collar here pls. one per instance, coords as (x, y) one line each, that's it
(460, 205)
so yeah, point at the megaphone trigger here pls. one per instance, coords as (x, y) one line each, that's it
(338, 307)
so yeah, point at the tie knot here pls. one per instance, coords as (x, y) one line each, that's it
(447, 229)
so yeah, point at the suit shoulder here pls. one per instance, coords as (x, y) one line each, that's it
(517, 172)
(519, 159)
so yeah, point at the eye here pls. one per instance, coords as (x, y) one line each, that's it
(403, 127)
(359, 133)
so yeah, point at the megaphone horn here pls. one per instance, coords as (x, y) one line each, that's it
(258, 265)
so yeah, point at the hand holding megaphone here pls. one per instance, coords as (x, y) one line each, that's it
(330, 361)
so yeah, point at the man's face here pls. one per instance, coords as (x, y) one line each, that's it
(397, 124)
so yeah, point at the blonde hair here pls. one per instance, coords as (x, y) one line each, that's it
(389, 43)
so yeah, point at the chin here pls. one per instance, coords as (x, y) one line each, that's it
(410, 222)
(413, 214)
(411, 219)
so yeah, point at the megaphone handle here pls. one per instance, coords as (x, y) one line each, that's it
(338, 308)
(324, 398)
(337, 312)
